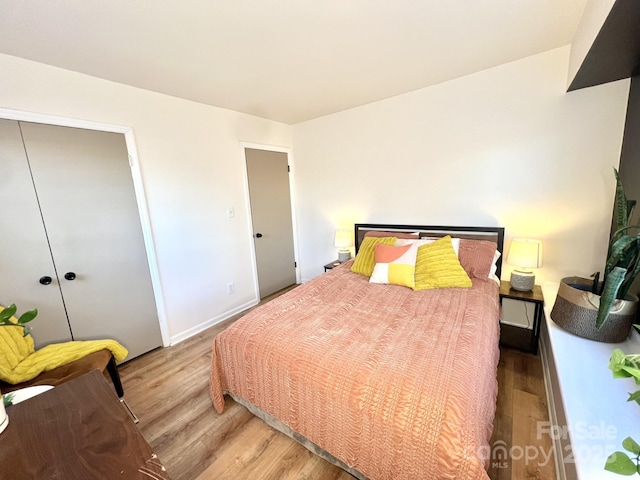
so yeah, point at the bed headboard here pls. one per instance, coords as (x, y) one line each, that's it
(493, 234)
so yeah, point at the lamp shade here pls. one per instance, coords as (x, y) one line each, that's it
(525, 253)
(343, 242)
(344, 239)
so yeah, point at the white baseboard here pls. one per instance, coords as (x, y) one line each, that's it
(211, 322)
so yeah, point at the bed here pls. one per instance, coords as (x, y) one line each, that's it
(380, 379)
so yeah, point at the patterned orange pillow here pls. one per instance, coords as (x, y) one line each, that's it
(365, 260)
(395, 265)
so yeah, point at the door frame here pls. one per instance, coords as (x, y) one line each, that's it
(294, 227)
(138, 187)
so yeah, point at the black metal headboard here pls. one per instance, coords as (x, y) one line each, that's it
(493, 234)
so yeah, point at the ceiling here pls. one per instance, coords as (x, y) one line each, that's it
(286, 60)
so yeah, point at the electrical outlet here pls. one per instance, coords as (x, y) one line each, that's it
(231, 288)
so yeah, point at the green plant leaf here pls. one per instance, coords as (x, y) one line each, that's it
(28, 316)
(617, 361)
(618, 357)
(620, 463)
(630, 445)
(625, 366)
(609, 293)
(7, 313)
(622, 251)
(632, 371)
(621, 374)
(621, 205)
(7, 399)
(632, 272)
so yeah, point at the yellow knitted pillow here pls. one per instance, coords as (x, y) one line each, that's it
(14, 346)
(437, 266)
(365, 260)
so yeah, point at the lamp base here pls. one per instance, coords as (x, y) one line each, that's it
(522, 281)
(344, 256)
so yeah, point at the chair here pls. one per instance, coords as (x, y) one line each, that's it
(21, 365)
(101, 360)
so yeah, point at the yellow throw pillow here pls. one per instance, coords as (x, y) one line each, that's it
(437, 266)
(395, 265)
(365, 259)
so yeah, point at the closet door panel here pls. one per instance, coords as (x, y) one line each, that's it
(86, 192)
(24, 252)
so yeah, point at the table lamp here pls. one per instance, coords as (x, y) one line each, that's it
(343, 242)
(525, 254)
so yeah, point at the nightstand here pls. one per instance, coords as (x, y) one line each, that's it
(513, 333)
(331, 265)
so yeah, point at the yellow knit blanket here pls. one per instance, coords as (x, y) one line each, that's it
(20, 362)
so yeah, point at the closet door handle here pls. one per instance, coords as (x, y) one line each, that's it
(45, 280)
(258, 235)
(70, 276)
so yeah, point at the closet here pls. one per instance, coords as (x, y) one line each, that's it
(71, 241)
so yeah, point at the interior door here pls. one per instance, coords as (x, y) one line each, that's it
(25, 258)
(268, 176)
(87, 199)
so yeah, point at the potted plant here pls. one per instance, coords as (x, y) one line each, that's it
(628, 462)
(7, 320)
(9, 312)
(605, 310)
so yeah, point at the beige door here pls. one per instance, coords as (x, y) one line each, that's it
(269, 194)
(97, 258)
(27, 273)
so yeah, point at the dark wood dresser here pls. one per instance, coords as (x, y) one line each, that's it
(77, 430)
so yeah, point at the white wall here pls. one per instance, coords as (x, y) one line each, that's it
(503, 147)
(506, 146)
(192, 170)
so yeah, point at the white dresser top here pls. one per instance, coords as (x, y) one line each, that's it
(595, 404)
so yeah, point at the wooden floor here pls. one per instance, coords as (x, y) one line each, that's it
(168, 391)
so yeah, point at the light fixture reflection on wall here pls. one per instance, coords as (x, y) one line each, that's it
(343, 242)
(524, 254)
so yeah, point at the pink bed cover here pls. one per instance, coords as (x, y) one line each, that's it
(395, 383)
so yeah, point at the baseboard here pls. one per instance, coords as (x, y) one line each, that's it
(212, 321)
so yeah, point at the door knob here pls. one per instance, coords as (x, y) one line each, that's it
(45, 280)
(70, 276)
(258, 235)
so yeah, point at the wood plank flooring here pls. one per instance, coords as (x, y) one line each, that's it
(518, 452)
(168, 391)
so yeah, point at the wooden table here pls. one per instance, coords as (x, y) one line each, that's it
(77, 430)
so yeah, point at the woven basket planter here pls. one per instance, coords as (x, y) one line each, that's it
(576, 309)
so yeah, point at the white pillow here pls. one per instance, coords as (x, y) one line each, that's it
(494, 267)
(426, 241)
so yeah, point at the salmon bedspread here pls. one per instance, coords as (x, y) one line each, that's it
(396, 384)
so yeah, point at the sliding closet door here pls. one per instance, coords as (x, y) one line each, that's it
(25, 258)
(88, 203)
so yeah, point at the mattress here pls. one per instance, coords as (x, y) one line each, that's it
(394, 383)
